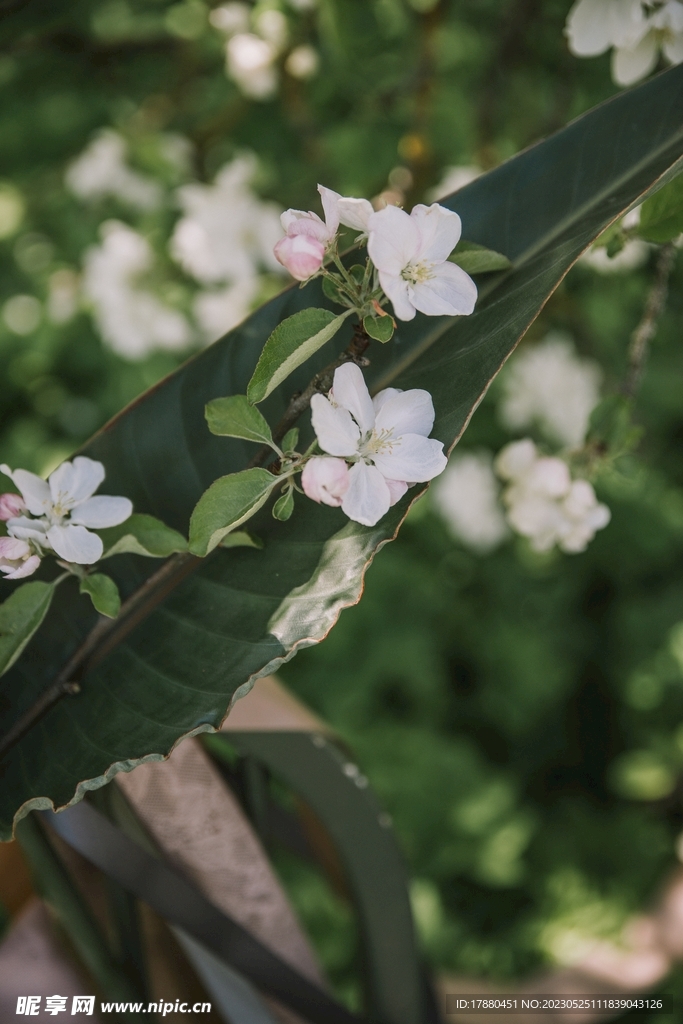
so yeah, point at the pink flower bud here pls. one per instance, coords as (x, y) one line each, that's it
(12, 549)
(326, 480)
(11, 505)
(26, 568)
(301, 255)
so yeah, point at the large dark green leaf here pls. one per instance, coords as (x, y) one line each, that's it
(243, 611)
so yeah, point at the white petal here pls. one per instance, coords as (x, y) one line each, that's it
(355, 213)
(26, 569)
(27, 529)
(394, 239)
(397, 488)
(102, 511)
(75, 481)
(383, 396)
(673, 47)
(630, 65)
(13, 549)
(34, 490)
(450, 292)
(397, 291)
(330, 200)
(75, 544)
(595, 25)
(351, 392)
(336, 432)
(409, 412)
(368, 497)
(515, 459)
(412, 457)
(439, 231)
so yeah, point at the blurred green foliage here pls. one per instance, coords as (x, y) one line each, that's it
(518, 714)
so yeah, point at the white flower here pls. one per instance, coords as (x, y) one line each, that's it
(411, 253)
(326, 480)
(543, 502)
(467, 496)
(231, 18)
(131, 320)
(385, 439)
(101, 171)
(227, 232)
(551, 386)
(303, 62)
(217, 312)
(64, 508)
(250, 64)
(17, 558)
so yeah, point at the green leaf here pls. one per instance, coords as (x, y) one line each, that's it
(239, 615)
(661, 216)
(331, 290)
(242, 539)
(294, 341)
(103, 593)
(20, 616)
(142, 535)
(477, 259)
(284, 506)
(290, 440)
(228, 503)
(381, 328)
(236, 417)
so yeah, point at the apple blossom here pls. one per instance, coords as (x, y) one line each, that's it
(63, 507)
(301, 255)
(17, 559)
(385, 439)
(11, 505)
(325, 480)
(309, 237)
(411, 252)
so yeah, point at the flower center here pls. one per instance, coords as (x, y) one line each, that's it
(377, 444)
(417, 273)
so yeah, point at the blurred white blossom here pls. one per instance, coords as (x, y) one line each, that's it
(219, 311)
(303, 62)
(453, 178)
(636, 31)
(250, 63)
(63, 295)
(544, 504)
(468, 497)
(633, 255)
(131, 319)
(231, 18)
(22, 314)
(101, 170)
(549, 385)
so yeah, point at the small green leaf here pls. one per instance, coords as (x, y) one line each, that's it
(142, 535)
(236, 417)
(103, 593)
(331, 290)
(20, 616)
(242, 539)
(381, 328)
(228, 503)
(290, 440)
(477, 259)
(357, 272)
(293, 342)
(284, 506)
(661, 216)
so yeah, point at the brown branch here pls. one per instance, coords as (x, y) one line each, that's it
(108, 633)
(647, 328)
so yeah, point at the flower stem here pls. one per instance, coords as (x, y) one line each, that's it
(647, 328)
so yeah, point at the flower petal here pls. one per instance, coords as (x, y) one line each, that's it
(302, 222)
(302, 255)
(13, 549)
(394, 240)
(102, 511)
(27, 568)
(351, 392)
(34, 490)
(75, 544)
(27, 529)
(367, 498)
(397, 488)
(73, 482)
(630, 64)
(439, 229)
(408, 412)
(449, 292)
(397, 291)
(336, 432)
(412, 457)
(330, 200)
(325, 480)
(383, 396)
(595, 25)
(355, 213)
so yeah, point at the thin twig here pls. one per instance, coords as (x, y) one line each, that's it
(108, 633)
(647, 328)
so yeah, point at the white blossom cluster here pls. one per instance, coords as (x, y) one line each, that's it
(635, 30)
(548, 387)
(256, 43)
(223, 240)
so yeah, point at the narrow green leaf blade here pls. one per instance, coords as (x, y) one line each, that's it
(141, 534)
(103, 593)
(228, 503)
(235, 416)
(294, 341)
(661, 216)
(20, 616)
